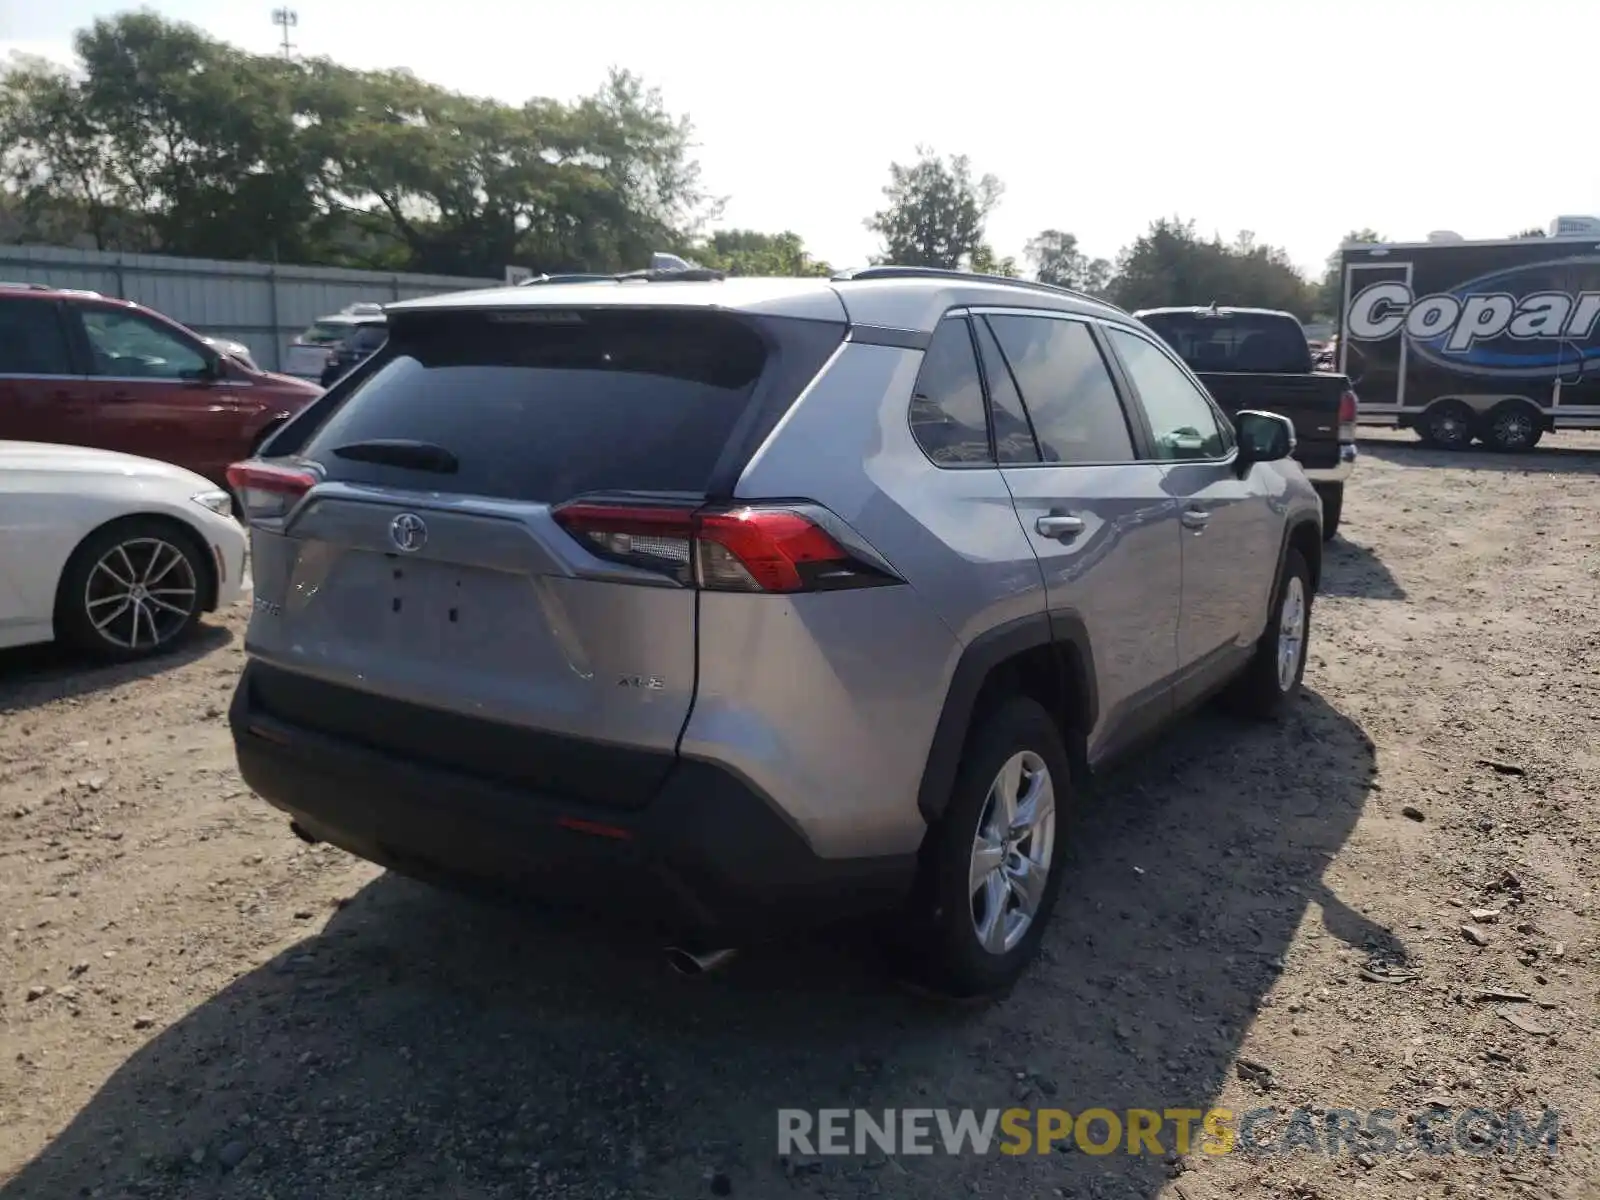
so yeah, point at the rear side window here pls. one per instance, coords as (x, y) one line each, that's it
(947, 411)
(543, 406)
(32, 341)
(1256, 343)
(1067, 388)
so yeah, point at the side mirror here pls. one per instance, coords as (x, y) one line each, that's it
(1263, 437)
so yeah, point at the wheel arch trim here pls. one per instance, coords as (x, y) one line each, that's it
(1073, 667)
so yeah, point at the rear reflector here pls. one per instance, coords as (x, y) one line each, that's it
(752, 549)
(268, 492)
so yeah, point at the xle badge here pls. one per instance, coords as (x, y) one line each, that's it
(653, 683)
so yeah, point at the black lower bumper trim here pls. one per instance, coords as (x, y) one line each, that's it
(708, 857)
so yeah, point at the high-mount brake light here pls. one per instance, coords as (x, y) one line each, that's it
(758, 548)
(267, 492)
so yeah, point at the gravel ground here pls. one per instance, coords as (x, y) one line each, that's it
(193, 1003)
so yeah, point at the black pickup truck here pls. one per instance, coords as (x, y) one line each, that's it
(1257, 358)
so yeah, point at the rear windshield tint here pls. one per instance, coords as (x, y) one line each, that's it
(325, 333)
(365, 337)
(540, 409)
(1260, 343)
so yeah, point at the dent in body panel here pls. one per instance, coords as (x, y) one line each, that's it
(827, 703)
(952, 534)
(545, 652)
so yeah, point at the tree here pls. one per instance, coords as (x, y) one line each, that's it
(984, 261)
(1171, 264)
(1530, 233)
(50, 158)
(747, 252)
(166, 139)
(936, 213)
(1056, 259)
(1332, 284)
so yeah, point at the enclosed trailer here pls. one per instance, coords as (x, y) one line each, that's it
(1497, 342)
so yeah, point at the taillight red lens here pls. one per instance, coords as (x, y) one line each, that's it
(778, 551)
(268, 492)
(755, 549)
(1348, 408)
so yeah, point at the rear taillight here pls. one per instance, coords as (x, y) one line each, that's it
(268, 492)
(753, 549)
(1349, 407)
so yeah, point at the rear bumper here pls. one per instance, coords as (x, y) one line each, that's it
(709, 858)
(1337, 474)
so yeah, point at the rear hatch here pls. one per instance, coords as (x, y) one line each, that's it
(483, 555)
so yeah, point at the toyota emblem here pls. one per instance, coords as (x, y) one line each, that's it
(408, 533)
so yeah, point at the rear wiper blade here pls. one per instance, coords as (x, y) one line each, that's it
(402, 452)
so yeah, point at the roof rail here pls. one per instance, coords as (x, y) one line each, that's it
(669, 274)
(893, 272)
(572, 277)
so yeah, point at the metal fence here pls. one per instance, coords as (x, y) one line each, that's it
(263, 305)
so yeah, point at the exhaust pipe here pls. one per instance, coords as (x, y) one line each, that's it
(687, 962)
(299, 831)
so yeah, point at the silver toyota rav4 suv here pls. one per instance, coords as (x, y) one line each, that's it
(744, 602)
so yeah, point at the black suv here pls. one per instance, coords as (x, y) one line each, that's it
(358, 345)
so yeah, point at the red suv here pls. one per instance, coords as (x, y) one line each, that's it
(87, 370)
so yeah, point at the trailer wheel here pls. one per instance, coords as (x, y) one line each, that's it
(1512, 427)
(1447, 426)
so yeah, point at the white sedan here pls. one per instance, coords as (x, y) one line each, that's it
(114, 554)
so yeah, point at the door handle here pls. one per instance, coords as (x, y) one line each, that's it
(1195, 518)
(1059, 527)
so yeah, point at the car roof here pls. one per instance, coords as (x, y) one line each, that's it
(47, 291)
(895, 298)
(1230, 310)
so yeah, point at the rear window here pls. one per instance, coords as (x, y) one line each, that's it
(367, 337)
(1256, 343)
(538, 405)
(325, 333)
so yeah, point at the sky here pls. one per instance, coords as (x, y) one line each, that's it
(1294, 119)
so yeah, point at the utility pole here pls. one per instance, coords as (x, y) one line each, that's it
(286, 19)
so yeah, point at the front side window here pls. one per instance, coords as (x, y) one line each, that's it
(32, 341)
(126, 345)
(1182, 420)
(947, 411)
(1067, 389)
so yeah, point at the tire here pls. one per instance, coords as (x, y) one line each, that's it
(1447, 426)
(1265, 689)
(1512, 428)
(160, 559)
(1017, 744)
(1332, 508)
